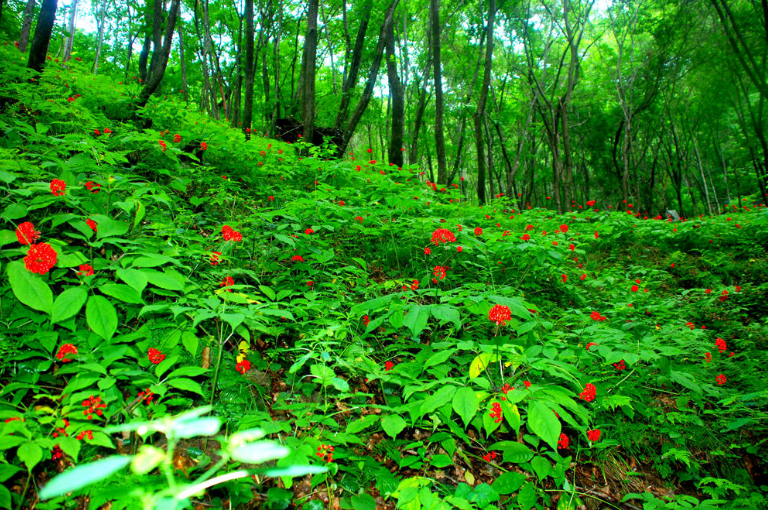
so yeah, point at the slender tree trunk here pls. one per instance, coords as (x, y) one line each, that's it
(368, 90)
(144, 57)
(330, 49)
(276, 68)
(101, 36)
(157, 34)
(481, 102)
(350, 79)
(42, 36)
(310, 54)
(703, 180)
(26, 25)
(249, 74)
(162, 60)
(442, 167)
(183, 65)
(398, 101)
(69, 41)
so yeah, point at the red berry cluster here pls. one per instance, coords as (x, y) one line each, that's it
(215, 258)
(85, 270)
(589, 392)
(64, 350)
(61, 431)
(93, 187)
(366, 320)
(243, 366)
(56, 453)
(155, 356)
(720, 343)
(94, 226)
(489, 456)
(57, 187)
(593, 435)
(596, 316)
(325, 452)
(388, 366)
(563, 442)
(86, 434)
(443, 235)
(162, 144)
(231, 234)
(496, 412)
(26, 233)
(590, 344)
(228, 281)
(439, 271)
(93, 405)
(40, 258)
(500, 314)
(147, 396)
(721, 379)
(620, 365)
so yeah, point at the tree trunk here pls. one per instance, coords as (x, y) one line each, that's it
(310, 57)
(157, 34)
(481, 102)
(71, 29)
(42, 37)
(183, 65)
(26, 25)
(249, 74)
(368, 90)
(398, 101)
(162, 61)
(144, 56)
(442, 167)
(350, 80)
(101, 36)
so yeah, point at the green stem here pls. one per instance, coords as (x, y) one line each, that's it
(26, 486)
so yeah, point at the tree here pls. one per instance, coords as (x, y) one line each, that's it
(42, 38)
(442, 167)
(249, 71)
(26, 25)
(158, 70)
(479, 116)
(398, 101)
(310, 55)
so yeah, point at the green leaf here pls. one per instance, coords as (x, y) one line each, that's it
(186, 385)
(363, 423)
(479, 364)
(363, 502)
(7, 471)
(30, 288)
(416, 319)
(258, 452)
(541, 467)
(438, 399)
(447, 313)
(107, 227)
(81, 476)
(322, 372)
(68, 303)
(30, 454)
(134, 278)
(101, 317)
(124, 293)
(441, 461)
(392, 424)
(466, 404)
(267, 292)
(543, 422)
(187, 372)
(165, 280)
(511, 415)
(508, 482)
(14, 211)
(233, 319)
(513, 451)
(190, 342)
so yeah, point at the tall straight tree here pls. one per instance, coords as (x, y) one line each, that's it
(350, 77)
(249, 71)
(481, 102)
(310, 55)
(442, 166)
(68, 43)
(42, 35)
(26, 25)
(161, 62)
(398, 101)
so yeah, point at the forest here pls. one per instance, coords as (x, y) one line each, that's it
(383, 254)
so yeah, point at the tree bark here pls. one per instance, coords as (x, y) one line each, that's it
(157, 34)
(442, 166)
(26, 25)
(42, 37)
(144, 57)
(71, 29)
(101, 36)
(482, 100)
(162, 61)
(183, 65)
(310, 56)
(249, 74)
(350, 80)
(368, 90)
(398, 101)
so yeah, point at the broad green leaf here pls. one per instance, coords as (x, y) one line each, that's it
(186, 385)
(447, 313)
(124, 293)
(101, 316)
(134, 278)
(466, 404)
(164, 280)
(416, 319)
(68, 303)
(392, 424)
(438, 399)
(107, 227)
(361, 424)
(508, 482)
(511, 415)
(29, 288)
(190, 342)
(541, 467)
(81, 476)
(479, 364)
(543, 422)
(267, 292)
(30, 454)
(513, 451)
